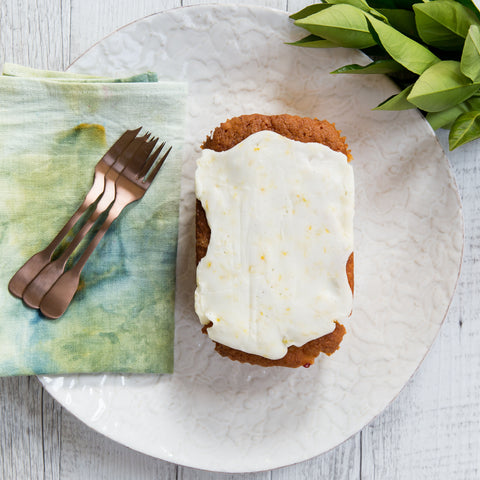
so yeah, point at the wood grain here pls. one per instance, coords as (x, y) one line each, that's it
(431, 431)
(192, 474)
(341, 463)
(21, 437)
(52, 435)
(32, 36)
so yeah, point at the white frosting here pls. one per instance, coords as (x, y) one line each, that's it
(281, 219)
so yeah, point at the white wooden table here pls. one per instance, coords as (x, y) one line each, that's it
(431, 431)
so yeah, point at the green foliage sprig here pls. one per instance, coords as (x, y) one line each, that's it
(431, 49)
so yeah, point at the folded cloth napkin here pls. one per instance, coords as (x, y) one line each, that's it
(54, 128)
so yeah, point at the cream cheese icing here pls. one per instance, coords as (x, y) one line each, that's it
(281, 218)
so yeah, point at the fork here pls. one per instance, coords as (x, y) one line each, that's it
(35, 264)
(131, 186)
(39, 286)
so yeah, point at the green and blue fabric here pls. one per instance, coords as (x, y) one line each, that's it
(54, 127)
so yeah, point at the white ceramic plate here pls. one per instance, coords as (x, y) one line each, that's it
(219, 415)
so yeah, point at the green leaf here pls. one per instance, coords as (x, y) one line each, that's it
(382, 3)
(310, 10)
(404, 50)
(377, 52)
(342, 24)
(312, 41)
(379, 66)
(443, 24)
(465, 129)
(470, 63)
(469, 4)
(442, 86)
(397, 102)
(403, 4)
(402, 20)
(361, 5)
(474, 102)
(445, 118)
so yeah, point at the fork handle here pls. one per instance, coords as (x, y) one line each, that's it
(37, 262)
(58, 298)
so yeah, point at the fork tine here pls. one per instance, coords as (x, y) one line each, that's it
(133, 132)
(150, 162)
(154, 172)
(148, 148)
(124, 140)
(129, 154)
(137, 163)
(119, 146)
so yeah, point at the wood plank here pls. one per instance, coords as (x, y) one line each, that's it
(185, 473)
(341, 463)
(52, 413)
(65, 9)
(296, 5)
(21, 432)
(33, 38)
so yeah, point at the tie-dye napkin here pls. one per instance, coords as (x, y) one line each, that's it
(54, 127)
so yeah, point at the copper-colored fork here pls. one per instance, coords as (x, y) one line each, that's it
(41, 284)
(35, 264)
(131, 186)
